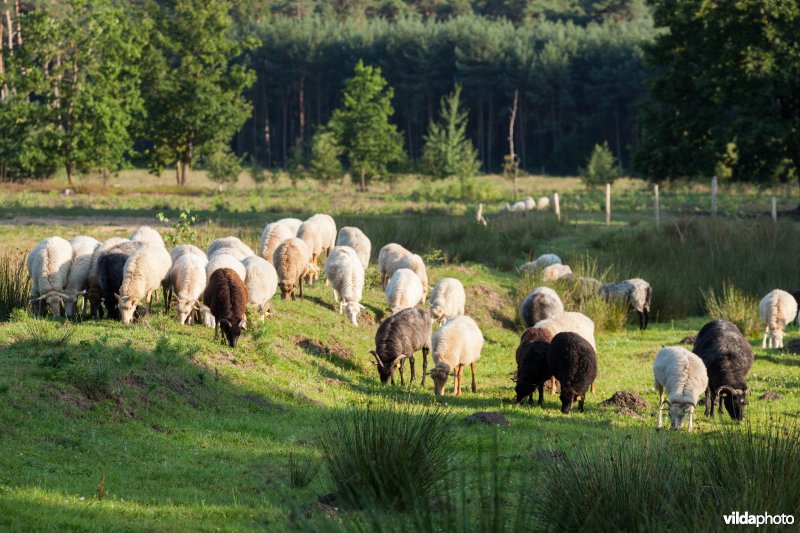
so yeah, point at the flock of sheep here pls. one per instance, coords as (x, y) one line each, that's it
(216, 286)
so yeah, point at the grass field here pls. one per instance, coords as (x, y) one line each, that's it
(157, 427)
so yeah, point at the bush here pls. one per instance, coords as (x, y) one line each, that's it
(15, 284)
(602, 167)
(223, 167)
(734, 306)
(257, 172)
(301, 471)
(326, 165)
(390, 457)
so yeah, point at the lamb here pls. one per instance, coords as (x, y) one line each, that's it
(275, 233)
(555, 272)
(728, 358)
(49, 266)
(542, 303)
(222, 260)
(398, 338)
(292, 262)
(532, 268)
(231, 246)
(447, 299)
(110, 271)
(185, 249)
(93, 291)
(533, 369)
(777, 309)
(346, 273)
(187, 279)
(456, 344)
(143, 273)
(388, 256)
(82, 252)
(574, 363)
(404, 290)
(355, 239)
(261, 281)
(147, 234)
(682, 375)
(226, 296)
(636, 293)
(319, 234)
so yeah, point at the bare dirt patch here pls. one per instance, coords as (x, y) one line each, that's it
(626, 400)
(484, 301)
(320, 348)
(492, 418)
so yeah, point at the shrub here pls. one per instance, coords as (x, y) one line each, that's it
(183, 231)
(602, 167)
(15, 284)
(301, 471)
(390, 456)
(734, 306)
(326, 165)
(256, 170)
(223, 167)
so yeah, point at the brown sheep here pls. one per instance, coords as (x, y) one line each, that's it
(292, 261)
(226, 296)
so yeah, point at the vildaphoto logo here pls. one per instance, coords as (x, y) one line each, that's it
(746, 519)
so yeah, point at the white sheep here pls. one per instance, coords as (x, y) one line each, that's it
(48, 266)
(83, 248)
(542, 303)
(388, 256)
(448, 299)
(533, 267)
(682, 375)
(355, 239)
(224, 261)
(636, 293)
(147, 234)
(777, 309)
(344, 270)
(187, 280)
(404, 290)
(570, 321)
(93, 291)
(543, 203)
(185, 249)
(456, 344)
(530, 203)
(261, 280)
(144, 271)
(319, 234)
(230, 245)
(275, 233)
(555, 272)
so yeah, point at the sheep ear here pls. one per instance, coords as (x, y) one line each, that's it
(117, 296)
(243, 323)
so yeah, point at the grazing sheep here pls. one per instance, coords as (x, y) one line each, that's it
(275, 233)
(226, 297)
(355, 239)
(111, 270)
(543, 203)
(319, 234)
(398, 338)
(388, 256)
(48, 266)
(555, 272)
(574, 363)
(542, 303)
(230, 245)
(573, 322)
(93, 291)
(728, 358)
(777, 310)
(187, 279)
(636, 293)
(147, 234)
(447, 299)
(682, 375)
(221, 260)
(456, 344)
(404, 290)
(533, 369)
(533, 267)
(143, 273)
(82, 252)
(262, 283)
(346, 274)
(292, 262)
(185, 249)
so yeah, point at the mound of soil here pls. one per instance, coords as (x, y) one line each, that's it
(688, 340)
(492, 418)
(794, 346)
(627, 412)
(626, 400)
(771, 396)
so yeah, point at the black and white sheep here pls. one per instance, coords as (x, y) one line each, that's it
(542, 303)
(111, 270)
(398, 338)
(682, 376)
(636, 293)
(574, 363)
(777, 309)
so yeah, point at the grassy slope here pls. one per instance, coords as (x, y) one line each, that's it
(193, 435)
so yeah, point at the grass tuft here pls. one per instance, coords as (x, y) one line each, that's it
(15, 285)
(734, 306)
(302, 471)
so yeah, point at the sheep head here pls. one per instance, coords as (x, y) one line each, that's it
(54, 301)
(232, 330)
(385, 368)
(776, 338)
(440, 375)
(287, 289)
(311, 273)
(70, 302)
(185, 307)
(568, 399)
(735, 401)
(127, 306)
(352, 309)
(524, 388)
(678, 412)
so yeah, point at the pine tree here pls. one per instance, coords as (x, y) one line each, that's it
(325, 153)
(602, 167)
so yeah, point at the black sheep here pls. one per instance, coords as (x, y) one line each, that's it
(226, 296)
(533, 369)
(111, 270)
(574, 363)
(728, 358)
(398, 337)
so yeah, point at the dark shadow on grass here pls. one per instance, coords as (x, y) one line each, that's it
(336, 354)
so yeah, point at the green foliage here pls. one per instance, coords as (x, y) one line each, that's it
(734, 306)
(601, 168)
(361, 125)
(183, 230)
(15, 284)
(390, 456)
(223, 166)
(256, 170)
(325, 166)
(301, 471)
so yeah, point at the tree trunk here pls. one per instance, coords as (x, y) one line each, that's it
(267, 136)
(68, 166)
(512, 156)
(363, 186)
(9, 28)
(178, 172)
(19, 24)
(3, 89)
(301, 104)
(104, 173)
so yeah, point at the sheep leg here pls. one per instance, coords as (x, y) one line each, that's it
(552, 385)
(592, 387)
(216, 330)
(425, 351)
(691, 426)
(641, 320)
(402, 379)
(646, 318)
(541, 395)
(411, 362)
(764, 340)
(580, 403)
(301, 286)
(660, 407)
(472, 368)
(706, 401)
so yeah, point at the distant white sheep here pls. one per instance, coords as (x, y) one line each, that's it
(456, 344)
(230, 245)
(187, 279)
(532, 268)
(682, 375)
(777, 309)
(573, 322)
(404, 290)
(355, 239)
(319, 234)
(556, 272)
(184, 249)
(275, 233)
(346, 274)
(48, 266)
(147, 234)
(636, 293)
(142, 275)
(543, 203)
(388, 258)
(262, 283)
(448, 299)
(83, 248)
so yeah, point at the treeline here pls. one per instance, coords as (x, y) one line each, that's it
(577, 85)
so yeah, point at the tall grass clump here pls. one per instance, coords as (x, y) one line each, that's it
(302, 471)
(734, 306)
(15, 284)
(389, 455)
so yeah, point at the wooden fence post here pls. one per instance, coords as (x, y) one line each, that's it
(608, 204)
(658, 214)
(714, 196)
(479, 215)
(556, 206)
(774, 209)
